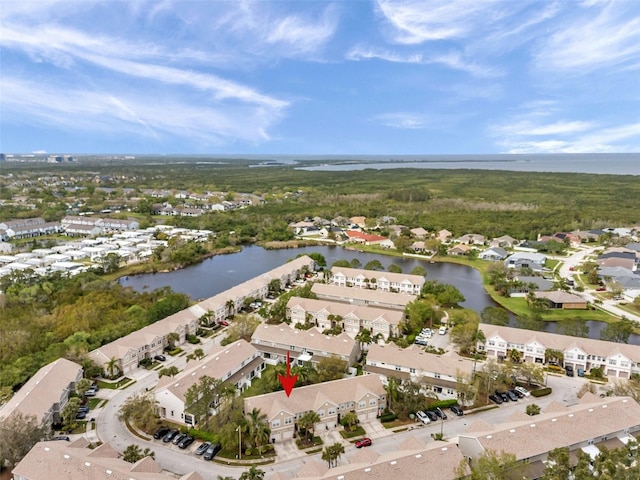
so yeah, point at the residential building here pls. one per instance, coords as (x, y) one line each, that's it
(145, 343)
(46, 393)
(364, 395)
(410, 460)
(505, 241)
(460, 249)
(357, 236)
(616, 359)
(237, 363)
(351, 318)
(563, 300)
(74, 461)
(444, 235)
(582, 426)
(27, 228)
(419, 232)
(472, 239)
(362, 296)
(375, 280)
(532, 260)
(358, 221)
(493, 254)
(437, 373)
(275, 342)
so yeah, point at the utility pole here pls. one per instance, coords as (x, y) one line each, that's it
(239, 430)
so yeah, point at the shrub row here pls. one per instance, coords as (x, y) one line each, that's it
(202, 435)
(442, 404)
(388, 417)
(541, 392)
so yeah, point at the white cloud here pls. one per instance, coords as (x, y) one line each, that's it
(456, 61)
(611, 38)
(302, 35)
(527, 128)
(402, 120)
(416, 21)
(144, 114)
(367, 53)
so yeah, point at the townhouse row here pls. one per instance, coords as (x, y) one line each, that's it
(618, 360)
(375, 280)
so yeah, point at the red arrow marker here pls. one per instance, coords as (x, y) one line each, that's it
(288, 381)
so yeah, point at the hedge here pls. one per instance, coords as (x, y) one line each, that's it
(541, 392)
(442, 404)
(202, 435)
(388, 417)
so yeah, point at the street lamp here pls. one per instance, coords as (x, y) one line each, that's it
(239, 430)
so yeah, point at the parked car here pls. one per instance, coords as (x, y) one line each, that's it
(90, 393)
(422, 417)
(495, 399)
(202, 448)
(178, 438)
(456, 410)
(160, 358)
(81, 415)
(523, 391)
(432, 416)
(512, 396)
(161, 432)
(83, 408)
(169, 436)
(61, 437)
(212, 451)
(224, 323)
(438, 411)
(601, 289)
(569, 370)
(186, 441)
(442, 330)
(517, 393)
(503, 396)
(365, 442)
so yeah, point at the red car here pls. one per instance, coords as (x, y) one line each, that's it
(601, 289)
(224, 323)
(365, 442)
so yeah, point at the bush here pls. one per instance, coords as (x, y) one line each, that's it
(202, 435)
(193, 339)
(541, 392)
(175, 351)
(388, 417)
(442, 404)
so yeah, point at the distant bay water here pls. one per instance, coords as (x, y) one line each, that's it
(606, 163)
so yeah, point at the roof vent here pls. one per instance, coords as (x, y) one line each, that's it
(87, 464)
(489, 436)
(554, 419)
(532, 425)
(604, 406)
(46, 449)
(66, 456)
(591, 409)
(393, 463)
(367, 470)
(443, 449)
(193, 374)
(571, 415)
(513, 430)
(419, 455)
(109, 472)
(624, 401)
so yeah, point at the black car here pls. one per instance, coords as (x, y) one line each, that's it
(517, 393)
(512, 396)
(503, 396)
(440, 413)
(185, 442)
(178, 438)
(456, 410)
(61, 437)
(161, 432)
(495, 399)
(83, 408)
(212, 451)
(169, 436)
(161, 358)
(432, 416)
(81, 415)
(202, 448)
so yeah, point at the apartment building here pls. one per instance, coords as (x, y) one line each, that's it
(617, 360)
(364, 395)
(238, 364)
(46, 393)
(362, 296)
(437, 373)
(371, 279)
(351, 318)
(276, 341)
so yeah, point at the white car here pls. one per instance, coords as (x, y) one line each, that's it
(422, 417)
(523, 391)
(442, 330)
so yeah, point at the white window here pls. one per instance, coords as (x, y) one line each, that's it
(580, 357)
(492, 343)
(362, 404)
(332, 411)
(275, 423)
(373, 402)
(288, 420)
(321, 413)
(613, 362)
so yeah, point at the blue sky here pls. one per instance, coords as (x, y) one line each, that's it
(311, 77)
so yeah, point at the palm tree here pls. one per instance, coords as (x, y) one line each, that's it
(271, 375)
(230, 307)
(392, 392)
(306, 373)
(349, 420)
(253, 473)
(364, 337)
(308, 422)
(332, 453)
(258, 428)
(172, 338)
(112, 367)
